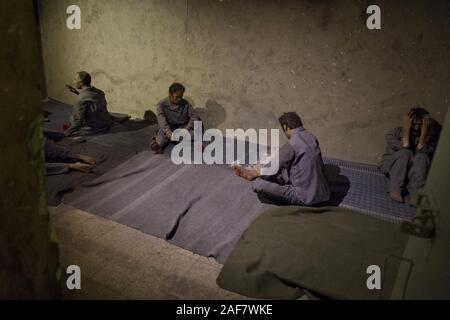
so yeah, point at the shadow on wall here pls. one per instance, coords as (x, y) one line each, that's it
(339, 184)
(213, 115)
(150, 117)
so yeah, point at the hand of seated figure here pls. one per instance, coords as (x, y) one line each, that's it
(423, 132)
(168, 134)
(72, 89)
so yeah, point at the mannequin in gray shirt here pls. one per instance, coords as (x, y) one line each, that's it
(301, 178)
(90, 114)
(173, 113)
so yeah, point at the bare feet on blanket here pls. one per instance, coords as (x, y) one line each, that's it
(88, 160)
(247, 174)
(156, 147)
(79, 166)
(396, 196)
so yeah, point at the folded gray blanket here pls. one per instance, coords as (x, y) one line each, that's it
(324, 250)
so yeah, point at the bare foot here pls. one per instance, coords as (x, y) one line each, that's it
(413, 201)
(396, 196)
(238, 170)
(88, 160)
(247, 174)
(79, 166)
(156, 147)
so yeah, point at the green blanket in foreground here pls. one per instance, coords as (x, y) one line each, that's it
(324, 250)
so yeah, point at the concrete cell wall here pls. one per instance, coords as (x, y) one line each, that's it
(246, 62)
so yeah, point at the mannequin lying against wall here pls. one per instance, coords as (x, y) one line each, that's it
(59, 160)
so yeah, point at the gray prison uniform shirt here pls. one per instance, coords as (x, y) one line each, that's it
(173, 117)
(90, 113)
(57, 157)
(408, 165)
(301, 179)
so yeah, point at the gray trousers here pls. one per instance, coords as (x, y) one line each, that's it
(276, 190)
(407, 169)
(57, 157)
(55, 169)
(162, 139)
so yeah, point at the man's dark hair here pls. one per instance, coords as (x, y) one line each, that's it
(419, 112)
(176, 87)
(85, 78)
(291, 120)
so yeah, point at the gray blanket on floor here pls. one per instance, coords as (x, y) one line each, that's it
(325, 250)
(201, 208)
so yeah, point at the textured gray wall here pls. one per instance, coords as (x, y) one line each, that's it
(246, 62)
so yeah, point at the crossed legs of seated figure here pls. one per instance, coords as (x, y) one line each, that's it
(161, 140)
(272, 189)
(407, 172)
